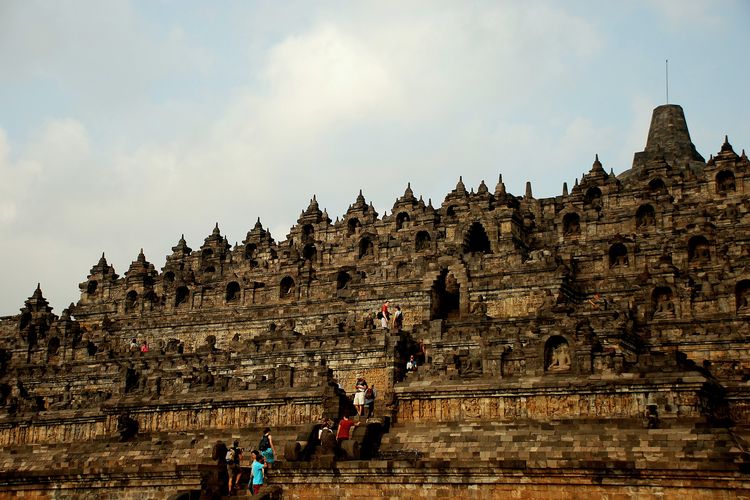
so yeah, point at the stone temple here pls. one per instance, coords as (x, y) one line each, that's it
(594, 344)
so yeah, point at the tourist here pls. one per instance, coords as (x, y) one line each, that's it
(266, 446)
(256, 481)
(385, 315)
(421, 356)
(326, 439)
(398, 319)
(370, 396)
(234, 470)
(344, 431)
(359, 396)
(596, 302)
(324, 427)
(134, 344)
(144, 347)
(411, 365)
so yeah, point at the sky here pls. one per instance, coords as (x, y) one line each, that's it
(125, 124)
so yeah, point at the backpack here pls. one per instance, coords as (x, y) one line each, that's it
(369, 393)
(230, 456)
(264, 443)
(380, 314)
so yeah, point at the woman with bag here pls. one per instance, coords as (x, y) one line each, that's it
(266, 446)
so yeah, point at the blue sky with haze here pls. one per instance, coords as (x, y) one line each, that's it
(125, 124)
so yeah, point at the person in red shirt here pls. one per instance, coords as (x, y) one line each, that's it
(385, 315)
(344, 431)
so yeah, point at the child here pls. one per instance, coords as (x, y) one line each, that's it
(257, 473)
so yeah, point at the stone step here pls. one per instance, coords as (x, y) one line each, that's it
(691, 444)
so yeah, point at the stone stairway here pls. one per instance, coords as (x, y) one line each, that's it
(153, 451)
(563, 444)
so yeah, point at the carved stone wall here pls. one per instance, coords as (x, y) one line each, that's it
(624, 299)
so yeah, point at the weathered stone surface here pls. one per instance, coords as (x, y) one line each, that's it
(591, 344)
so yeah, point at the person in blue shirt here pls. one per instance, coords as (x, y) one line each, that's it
(257, 472)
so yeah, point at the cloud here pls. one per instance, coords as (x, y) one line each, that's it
(699, 14)
(353, 98)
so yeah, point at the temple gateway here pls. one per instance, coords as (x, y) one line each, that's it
(593, 344)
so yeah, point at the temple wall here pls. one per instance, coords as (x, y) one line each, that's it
(437, 407)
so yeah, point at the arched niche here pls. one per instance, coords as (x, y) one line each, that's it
(181, 296)
(725, 182)
(618, 255)
(286, 287)
(662, 302)
(209, 270)
(250, 251)
(571, 224)
(657, 187)
(308, 233)
(742, 296)
(342, 280)
(476, 240)
(352, 225)
(366, 248)
(645, 216)
(168, 278)
(131, 301)
(53, 346)
(593, 198)
(401, 219)
(699, 250)
(557, 355)
(422, 241)
(207, 253)
(150, 300)
(233, 291)
(450, 212)
(25, 320)
(309, 252)
(91, 287)
(446, 296)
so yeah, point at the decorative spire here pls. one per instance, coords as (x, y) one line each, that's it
(408, 193)
(597, 166)
(181, 247)
(743, 155)
(482, 189)
(528, 190)
(726, 146)
(500, 187)
(258, 225)
(216, 231)
(37, 302)
(565, 189)
(460, 188)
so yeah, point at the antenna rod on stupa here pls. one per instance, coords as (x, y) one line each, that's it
(666, 64)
